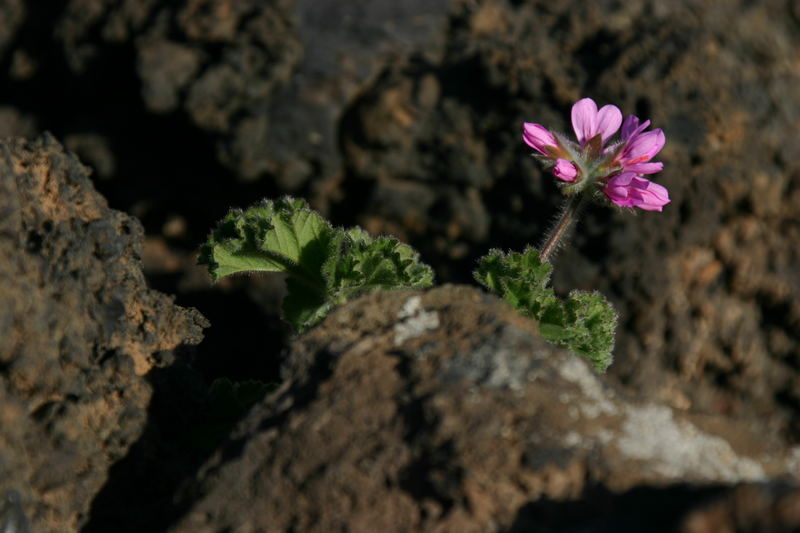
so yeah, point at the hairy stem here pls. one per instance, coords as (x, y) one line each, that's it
(566, 221)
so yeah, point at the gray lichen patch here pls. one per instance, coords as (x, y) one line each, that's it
(677, 449)
(600, 397)
(496, 362)
(414, 321)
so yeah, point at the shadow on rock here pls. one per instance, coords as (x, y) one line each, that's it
(768, 507)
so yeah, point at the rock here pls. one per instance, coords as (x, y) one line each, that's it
(79, 330)
(444, 411)
(269, 81)
(396, 125)
(772, 507)
(12, 13)
(764, 507)
(15, 124)
(710, 299)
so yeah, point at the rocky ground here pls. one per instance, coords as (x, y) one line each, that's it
(403, 117)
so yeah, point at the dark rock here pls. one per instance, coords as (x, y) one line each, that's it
(769, 507)
(268, 80)
(12, 517)
(444, 411)
(78, 331)
(13, 123)
(12, 13)
(708, 290)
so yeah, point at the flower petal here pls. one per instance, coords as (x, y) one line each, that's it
(643, 147)
(650, 204)
(629, 190)
(564, 170)
(618, 195)
(608, 120)
(584, 119)
(631, 127)
(622, 180)
(645, 168)
(618, 189)
(653, 196)
(537, 137)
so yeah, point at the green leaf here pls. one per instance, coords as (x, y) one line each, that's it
(383, 263)
(304, 306)
(594, 322)
(325, 266)
(269, 237)
(584, 323)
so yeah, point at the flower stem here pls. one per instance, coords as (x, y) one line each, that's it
(566, 220)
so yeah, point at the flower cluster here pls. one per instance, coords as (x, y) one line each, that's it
(618, 168)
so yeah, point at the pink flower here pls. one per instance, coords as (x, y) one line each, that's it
(538, 137)
(617, 169)
(564, 170)
(629, 190)
(640, 147)
(587, 121)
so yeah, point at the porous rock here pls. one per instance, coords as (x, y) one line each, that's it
(78, 330)
(268, 80)
(708, 290)
(444, 411)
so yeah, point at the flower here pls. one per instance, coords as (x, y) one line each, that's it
(629, 190)
(593, 162)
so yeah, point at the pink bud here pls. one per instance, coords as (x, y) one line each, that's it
(537, 137)
(564, 170)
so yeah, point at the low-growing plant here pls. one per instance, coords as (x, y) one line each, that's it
(584, 322)
(326, 266)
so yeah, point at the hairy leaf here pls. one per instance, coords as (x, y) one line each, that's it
(325, 266)
(584, 323)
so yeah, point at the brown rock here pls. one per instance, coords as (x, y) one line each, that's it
(78, 330)
(444, 411)
(708, 290)
(12, 13)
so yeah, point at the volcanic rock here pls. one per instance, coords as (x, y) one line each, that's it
(444, 411)
(79, 330)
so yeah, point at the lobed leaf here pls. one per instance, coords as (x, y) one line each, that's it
(325, 266)
(584, 323)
